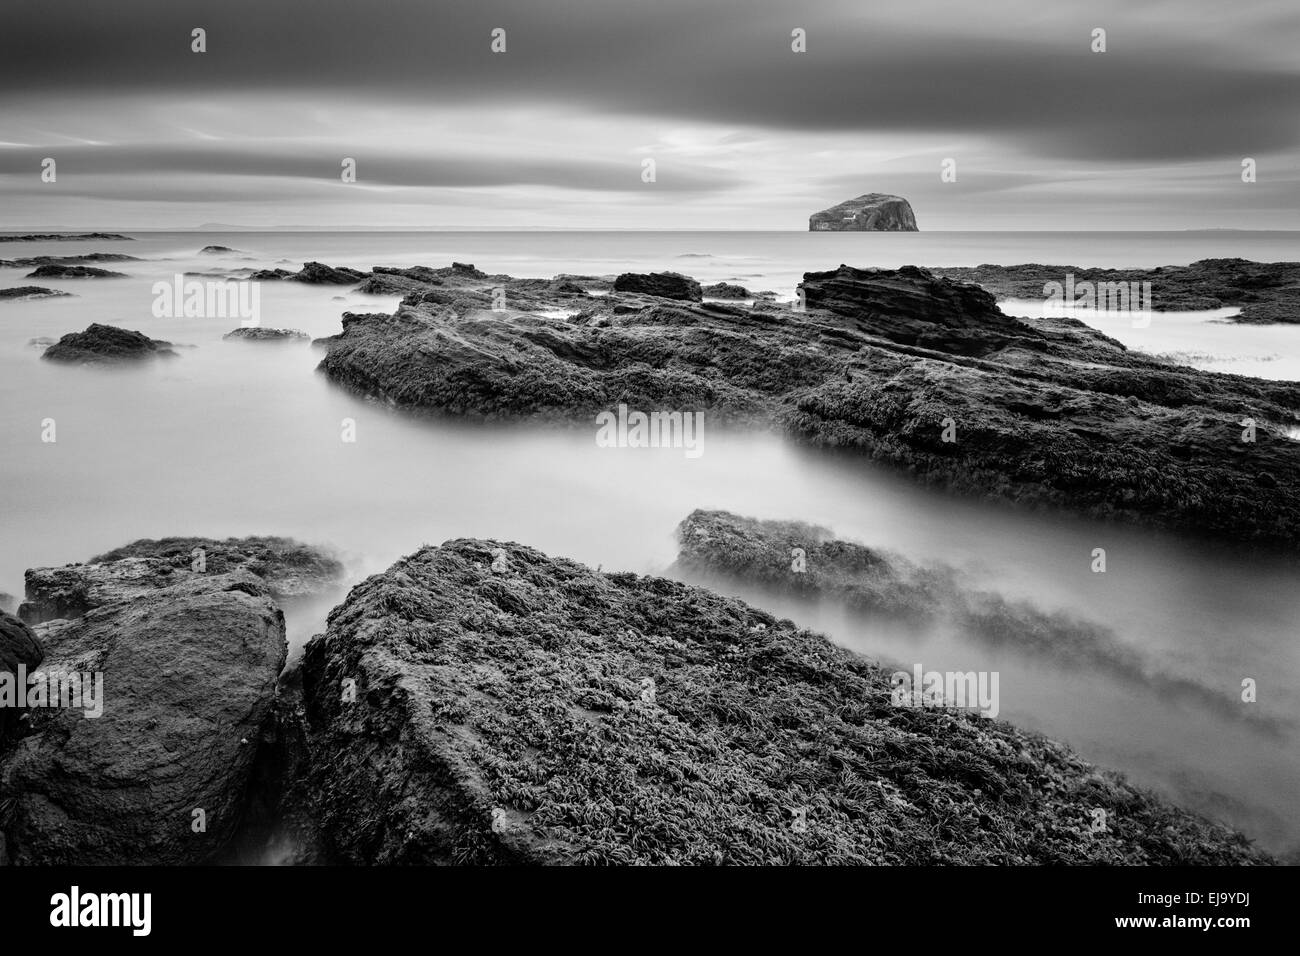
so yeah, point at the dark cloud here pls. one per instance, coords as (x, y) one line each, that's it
(1152, 97)
(375, 167)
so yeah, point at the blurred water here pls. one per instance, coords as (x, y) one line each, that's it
(244, 438)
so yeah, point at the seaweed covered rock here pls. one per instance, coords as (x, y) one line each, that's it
(183, 680)
(288, 568)
(106, 344)
(807, 561)
(482, 702)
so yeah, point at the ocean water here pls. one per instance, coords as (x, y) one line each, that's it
(236, 438)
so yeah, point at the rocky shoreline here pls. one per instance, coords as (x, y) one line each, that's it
(481, 702)
(912, 370)
(1266, 292)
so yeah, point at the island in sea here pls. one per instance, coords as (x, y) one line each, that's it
(872, 212)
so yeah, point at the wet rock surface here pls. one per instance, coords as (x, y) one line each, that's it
(806, 561)
(480, 702)
(288, 568)
(161, 775)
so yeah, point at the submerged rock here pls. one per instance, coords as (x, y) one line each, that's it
(73, 272)
(31, 292)
(107, 343)
(723, 549)
(259, 334)
(288, 568)
(63, 237)
(480, 702)
(665, 285)
(872, 212)
(160, 776)
(216, 251)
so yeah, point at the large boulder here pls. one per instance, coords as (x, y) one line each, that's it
(872, 212)
(480, 702)
(160, 776)
(289, 569)
(665, 285)
(316, 273)
(106, 344)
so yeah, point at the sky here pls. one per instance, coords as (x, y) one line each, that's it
(554, 132)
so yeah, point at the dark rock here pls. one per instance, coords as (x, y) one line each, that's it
(269, 275)
(33, 261)
(64, 237)
(73, 272)
(259, 334)
(872, 212)
(188, 674)
(666, 285)
(316, 273)
(107, 343)
(913, 307)
(217, 251)
(724, 290)
(514, 708)
(18, 646)
(1266, 292)
(30, 292)
(288, 569)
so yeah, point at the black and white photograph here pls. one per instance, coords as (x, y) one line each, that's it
(597, 434)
